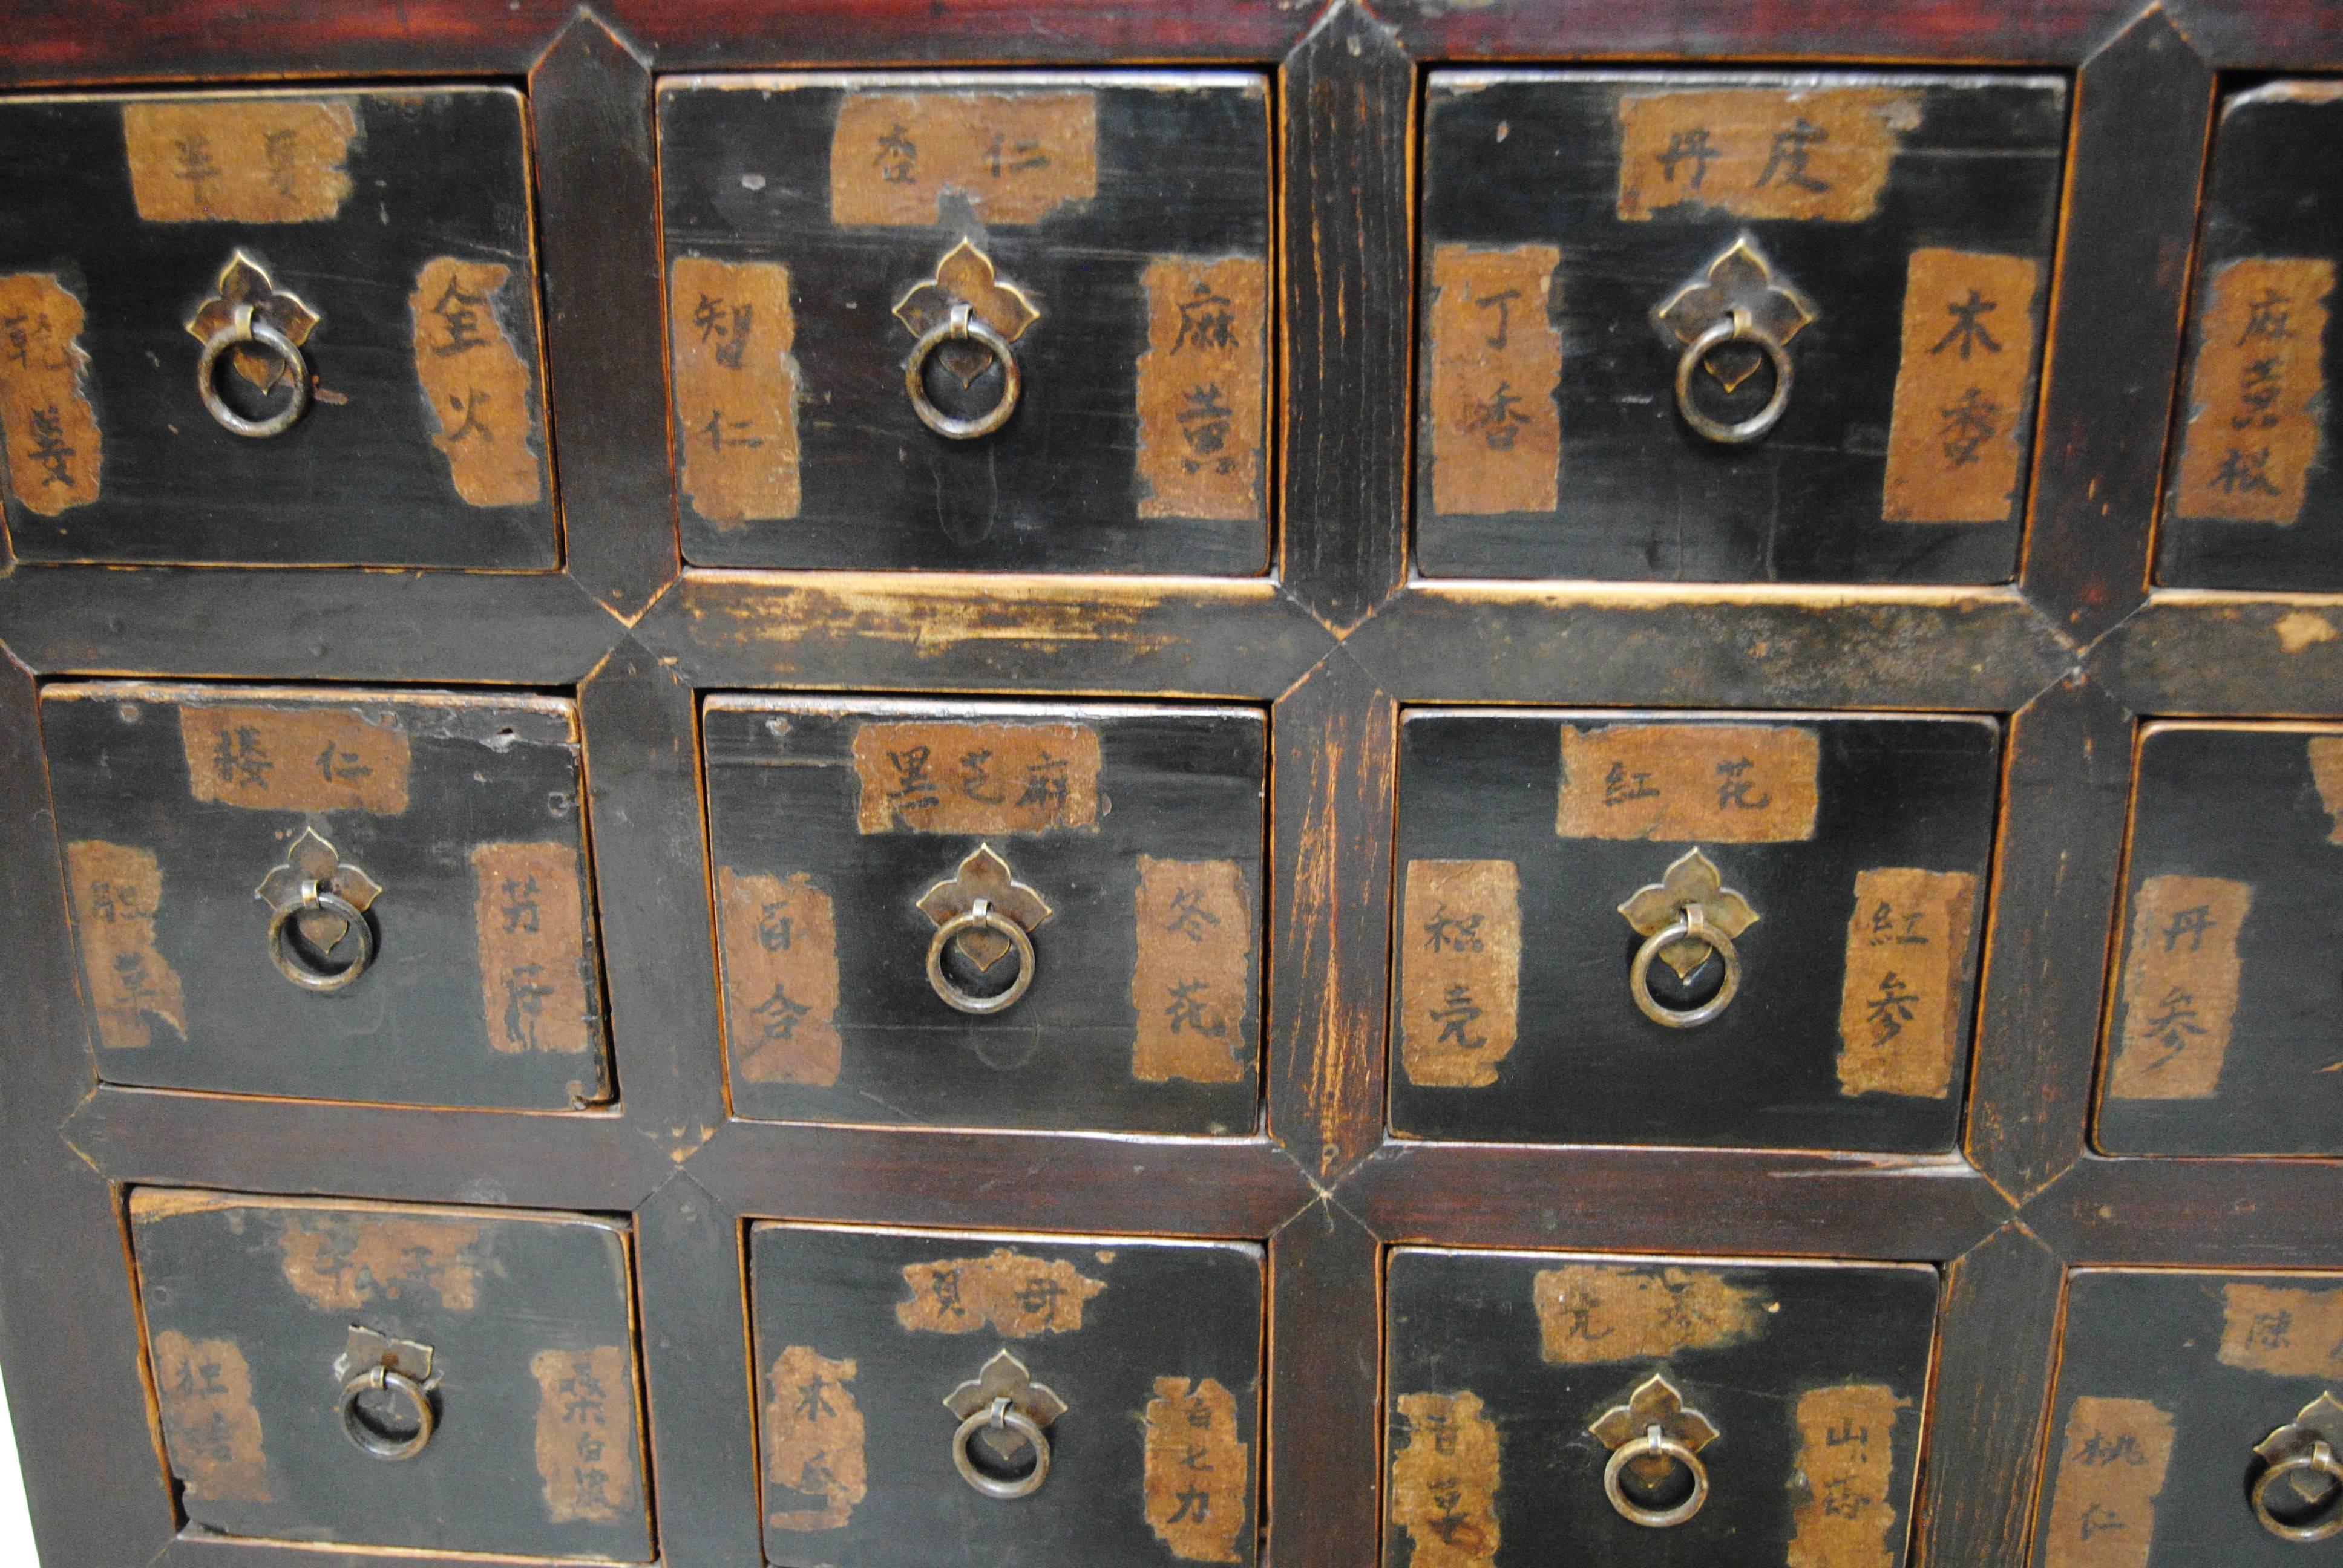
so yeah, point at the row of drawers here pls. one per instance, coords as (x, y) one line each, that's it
(1688, 325)
(1725, 928)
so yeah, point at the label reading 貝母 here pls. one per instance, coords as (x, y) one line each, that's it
(2257, 390)
(736, 388)
(1200, 395)
(1956, 432)
(1846, 1455)
(2283, 1331)
(1460, 971)
(56, 454)
(945, 778)
(1590, 1313)
(531, 916)
(2110, 1474)
(239, 160)
(211, 1431)
(779, 942)
(1761, 152)
(116, 890)
(294, 758)
(476, 383)
(1899, 1011)
(1005, 1291)
(586, 1433)
(2327, 775)
(1496, 359)
(1016, 157)
(1444, 1479)
(1192, 981)
(1715, 783)
(1198, 1468)
(2179, 987)
(813, 1442)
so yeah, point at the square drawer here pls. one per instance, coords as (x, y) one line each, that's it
(331, 895)
(1106, 239)
(384, 243)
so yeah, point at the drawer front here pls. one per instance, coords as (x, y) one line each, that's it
(1550, 1408)
(2223, 1032)
(1111, 980)
(1839, 862)
(384, 243)
(269, 1318)
(2254, 500)
(1888, 242)
(367, 896)
(1133, 1367)
(1109, 239)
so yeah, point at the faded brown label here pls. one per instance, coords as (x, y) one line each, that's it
(1620, 1311)
(476, 383)
(1199, 1470)
(1443, 1482)
(779, 943)
(116, 890)
(2326, 773)
(294, 758)
(1956, 435)
(56, 454)
(1717, 783)
(2283, 1331)
(211, 1430)
(2180, 987)
(239, 160)
(813, 1441)
(1200, 401)
(1846, 1456)
(944, 778)
(736, 388)
(1761, 152)
(1016, 157)
(1899, 1010)
(530, 914)
(1496, 359)
(2257, 391)
(586, 1433)
(1004, 1291)
(342, 1261)
(1193, 983)
(1460, 971)
(2110, 1474)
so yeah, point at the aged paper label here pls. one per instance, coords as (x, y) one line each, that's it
(2110, 1474)
(1619, 1312)
(210, 1428)
(476, 383)
(1191, 986)
(1443, 1482)
(1846, 1456)
(343, 1261)
(1717, 783)
(1956, 437)
(1004, 1291)
(2180, 987)
(531, 916)
(813, 1441)
(1761, 152)
(780, 944)
(294, 758)
(239, 160)
(1899, 1010)
(55, 456)
(2283, 1331)
(1496, 359)
(2257, 392)
(586, 1433)
(1460, 971)
(116, 890)
(1199, 1470)
(946, 777)
(736, 388)
(2326, 773)
(1200, 403)
(1016, 157)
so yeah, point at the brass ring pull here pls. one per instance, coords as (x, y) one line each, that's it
(2329, 1520)
(1656, 1445)
(371, 1438)
(961, 324)
(1736, 327)
(1001, 1414)
(980, 917)
(1693, 924)
(289, 960)
(248, 328)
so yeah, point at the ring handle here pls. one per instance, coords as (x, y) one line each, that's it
(980, 917)
(1736, 327)
(2321, 1459)
(288, 960)
(1694, 925)
(249, 328)
(1656, 1445)
(1001, 1414)
(963, 324)
(372, 1438)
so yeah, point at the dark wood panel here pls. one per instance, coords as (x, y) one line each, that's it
(2245, 1213)
(1325, 1374)
(2189, 653)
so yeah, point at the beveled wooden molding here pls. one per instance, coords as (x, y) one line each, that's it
(2230, 1213)
(2196, 653)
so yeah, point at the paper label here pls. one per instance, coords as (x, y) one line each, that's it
(476, 383)
(949, 778)
(1815, 153)
(585, 1434)
(2282, 1331)
(1444, 1479)
(813, 1442)
(1956, 437)
(530, 915)
(1199, 1470)
(342, 1261)
(1591, 1313)
(779, 945)
(211, 1430)
(239, 160)
(1191, 985)
(1496, 359)
(2180, 987)
(56, 454)
(736, 389)
(294, 758)
(1016, 157)
(1900, 1007)
(1201, 408)
(116, 890)
(2327, 774)
(2110, 1474)
(1846, 1458)
(1460, 971)
(2257, 392)
(1004, 1291)
(1712, 783)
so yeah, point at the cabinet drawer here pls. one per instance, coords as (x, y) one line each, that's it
(1550, 1408)
(989, 914)
(505, 1415)
(1130, 1371)
(1108, 239)
(346, 895)
(1592, 405)
(384, 243)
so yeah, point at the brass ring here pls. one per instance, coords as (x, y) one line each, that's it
(998, 1414)
(985, 917)
(1656, 1445)
(373, 1439)
(1736, 327)
(2321, 1458)
(300, 970)
(248, 328)
(963, 324)
(1694, 925)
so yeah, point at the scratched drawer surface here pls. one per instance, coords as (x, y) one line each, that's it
(272, 329)
(1708, 326)
(390, 1375)
(974, 1401)
(349, 895)
(989, 914)
(1752, 929)
(2225, 1027)
(1099, 402)
(1553, 1408)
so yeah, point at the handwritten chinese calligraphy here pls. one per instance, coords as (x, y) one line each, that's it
(1191, 985)
(953, 777)
(1199, 1470)
(55, 456)
(343, 1261)
(1847, 1453)
(529, 914)
(1590, 1313)
(1496, 359)
(2282, 1331)
(1004, 1291)
(1901, 1002)
(1199, 392)
(779, 940)
(1444, 1479)
(2180, 977)
(295, 759)
(1016, 157)
(476, 383)
(211, 1431)
(1460, 967)
(736, 389)
(133, 991)
(239, 160)
(1718, 783)
(1815, 153)
(2110, 1474)
(2257, 391)
(1956, 435)
(813, 1441)
(586, 1433)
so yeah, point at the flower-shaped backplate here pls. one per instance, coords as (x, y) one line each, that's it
(1655, 1403)
(245, 281)
(1739, 278)
(2321, 1421)
(1005, 1377)
(965, 276)
(312, 859)
(1692, 879)
(984, 875)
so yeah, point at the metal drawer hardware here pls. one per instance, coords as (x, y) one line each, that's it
(2302, 1454)
(1738, 301)
(372, 1363)
(1683, 917)
(248, 313)
(316, 900)
(965, 318)
(1652, 1434)
(984, 912)
(1007, 1411)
